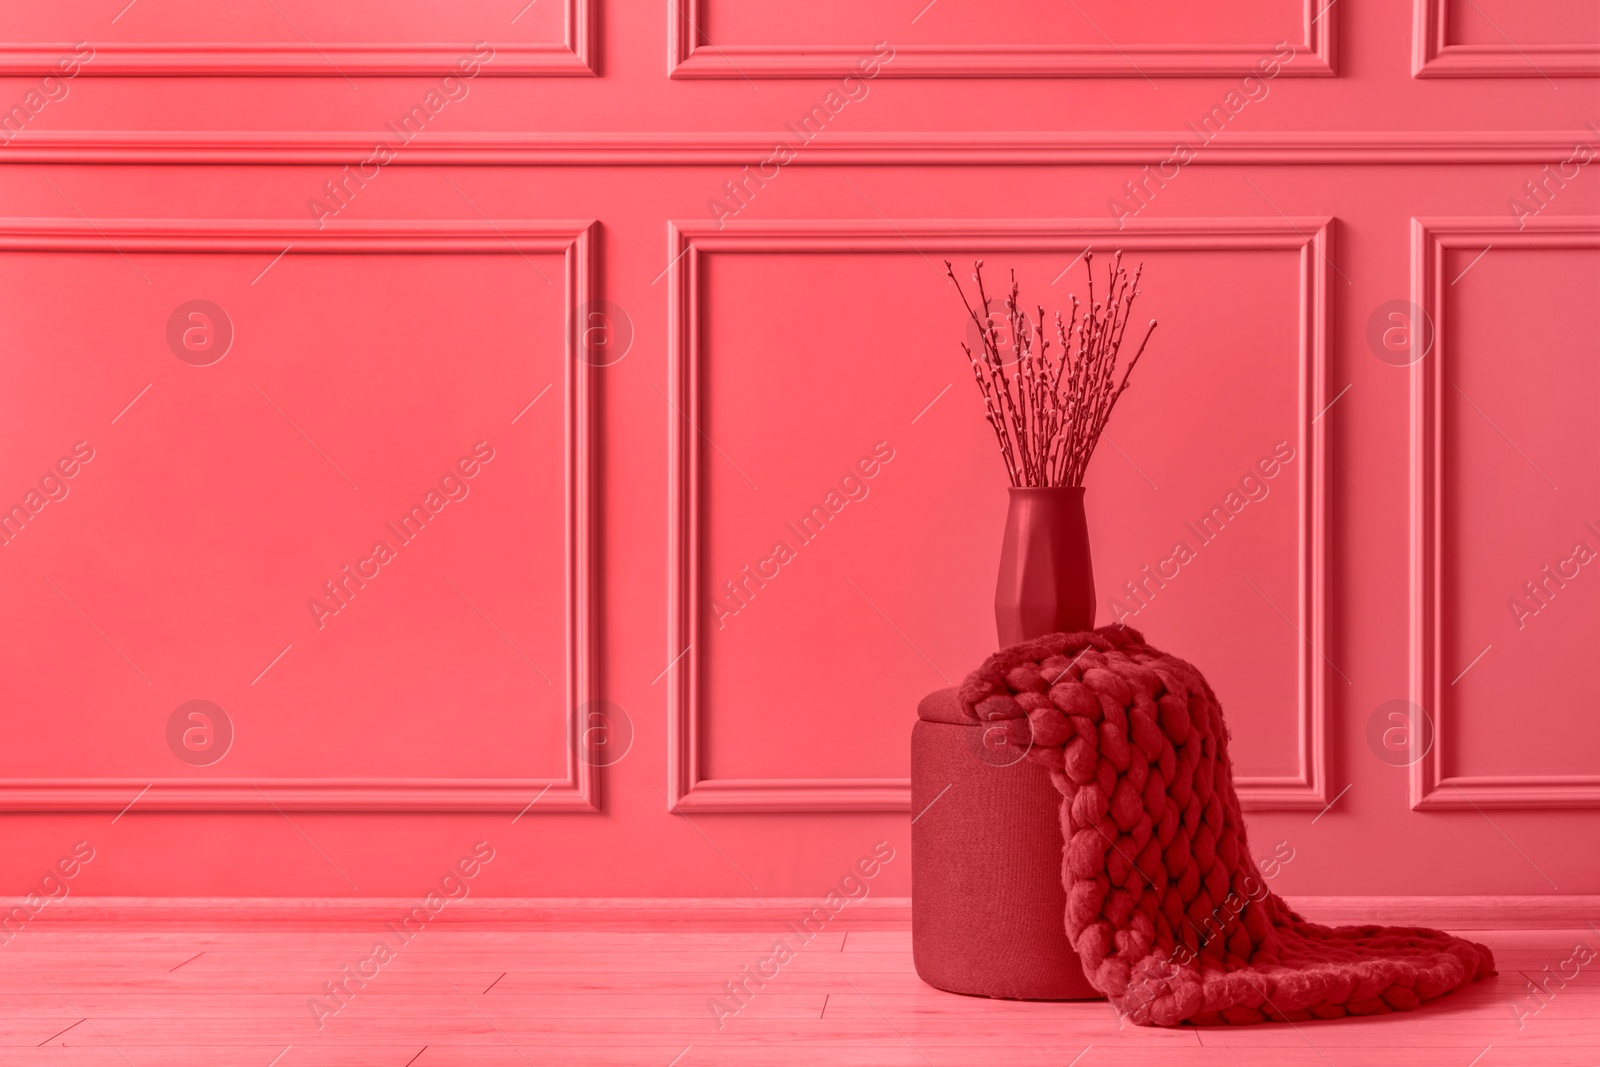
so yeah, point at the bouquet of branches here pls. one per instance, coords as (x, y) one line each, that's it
(1047, 408)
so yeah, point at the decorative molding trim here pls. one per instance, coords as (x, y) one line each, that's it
(1348, 148)
(691, 54)
(1430, 237)
(779, 794)
(1432, 56)
(640, 914)
(1473, 911)
(688, 788)
(534, 913)
(572, 56)
(578, 789)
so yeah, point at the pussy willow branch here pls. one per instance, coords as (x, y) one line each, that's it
(1048, 412)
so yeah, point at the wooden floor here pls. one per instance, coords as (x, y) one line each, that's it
(571, 997)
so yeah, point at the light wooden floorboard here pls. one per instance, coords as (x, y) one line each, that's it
(599, 998)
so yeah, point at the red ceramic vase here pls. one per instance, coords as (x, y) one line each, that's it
(1046, 581)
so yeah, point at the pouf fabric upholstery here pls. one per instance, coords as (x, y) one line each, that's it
(986, 893)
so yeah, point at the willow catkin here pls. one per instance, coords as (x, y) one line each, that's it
(1048, 413)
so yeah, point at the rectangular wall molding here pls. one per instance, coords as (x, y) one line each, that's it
(690, 789)
(577, 789)
(572, 56)
(1432, 788)
(977, 148)
(1432, 56)
(692, 54)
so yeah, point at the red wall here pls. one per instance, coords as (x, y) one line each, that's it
(619, 380)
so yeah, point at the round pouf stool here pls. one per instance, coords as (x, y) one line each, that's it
(987, 904)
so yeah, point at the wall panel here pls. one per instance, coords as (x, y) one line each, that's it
(226, 555)
(835, 375)
(1501, 40)
(1505, 513)
(971, 41)
(757, 303)
(296, 38)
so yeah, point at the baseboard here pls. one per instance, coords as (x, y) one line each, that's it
(1479, 912)
(335, 913)
(1474, 912)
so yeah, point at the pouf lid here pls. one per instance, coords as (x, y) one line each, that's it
(944, 705)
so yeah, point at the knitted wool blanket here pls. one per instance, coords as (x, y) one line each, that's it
(1165, 907)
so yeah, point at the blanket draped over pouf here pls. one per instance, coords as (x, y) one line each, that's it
(1165, 906)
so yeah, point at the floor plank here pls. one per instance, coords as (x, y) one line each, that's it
(606, 998)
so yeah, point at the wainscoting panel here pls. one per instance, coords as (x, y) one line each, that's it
(1095, 40)
(297, 38)
(367, 382)
(1507, 513)
(1498, 39)
(730, 547)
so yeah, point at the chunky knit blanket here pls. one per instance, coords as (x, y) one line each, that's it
(1165, 906)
